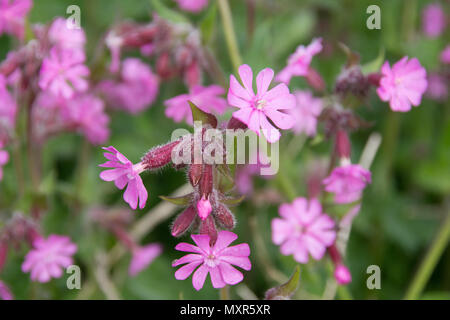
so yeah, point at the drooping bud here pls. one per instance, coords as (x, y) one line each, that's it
(195, 173)
(204, 208)
(224, 217)
(183, 221)
(343, 147)
(286, 290)
(342, 275)
(208, 227)
(159, 156)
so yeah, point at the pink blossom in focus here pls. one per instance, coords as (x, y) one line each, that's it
(125, 173)
(347, 182)
(445, 55)
(342, 275)
(64, 36)
(437, 87)
(142, 257)
(255, 110)
(217, 260)
(402, 85)
(205, 98)
(12, 16)
(63, 72)
(86, 113)
(299, 61)
(137, 89)
(5, 293)
(433, 20)
(49, 257)
(306, 112)
(303, 229)
(192, 5)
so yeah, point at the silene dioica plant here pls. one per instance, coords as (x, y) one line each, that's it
(47, 88)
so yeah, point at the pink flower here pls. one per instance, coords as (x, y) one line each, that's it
(205, 98)
(347, 182)
(5, 293)
(142, 257)
(306, 113)
(217, 260)
(86, 113)
(255, 109)
(403, 85)
(12, 16)
(8, 107)
(303, 229)
(137, 89)
(299, 61)
(64, 36)
(437, 87)
(192, 5)
(123, 173)
(445, 55)
(48, 257)
(204, 208)
(63, 72)
(433, 20)
(342, 275)
(4, 157)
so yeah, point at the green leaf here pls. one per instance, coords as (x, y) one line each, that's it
(179, 201)
(202, 116)
(286, 290)
(374, 65)
(231, 201)
(168, 13)
(207, 24)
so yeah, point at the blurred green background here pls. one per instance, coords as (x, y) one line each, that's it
(402, 209)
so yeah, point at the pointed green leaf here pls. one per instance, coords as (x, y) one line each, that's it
(231, 201)
(179, 201)
(286, 290)
(224, 170)
(374, 65)
(200, 115)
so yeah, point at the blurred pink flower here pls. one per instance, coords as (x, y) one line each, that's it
(433, 20)
(192, 5)
(299, 61)
(303, 229)
(123, 173)
(142, 257)
(12, 16)
(86, 113)
(205, 98)
(437, 87)
(347, 182)
(445, 55)
(8, 106)
(306, 112)
(137, 89)
(217, 260)
(203, 208)
(63, 36)
(259, 165)
(342, 275)
(63, 72)
(255, 109)
(4, 158)
(48, 257)
(402, 85)
(5, 293)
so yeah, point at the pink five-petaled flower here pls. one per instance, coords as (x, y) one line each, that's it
(192, 5)
(433, 20)
(347, 182)
(215, 260)
(445, 55)
(402, 85)
(142, 257)
(255, 109)
(63, 72)
(124, 173)
(12, 16)
(299, 61)
(306, 113)
(303, 229)
(63, 35)
(48, 257)
(205, 98)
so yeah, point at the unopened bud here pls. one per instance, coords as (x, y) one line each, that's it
(343, 147)
(204, 208)
(3, 253)
(183, 221)
(195, 173)
(206, 182)
(224, 217)
(374, 79)
(208, 227)
(342, 275)
(159, 156)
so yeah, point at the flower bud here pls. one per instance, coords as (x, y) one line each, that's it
(3, 253)
(195, 173)
(342, 275)
(206, 182)
(204, 208)
(208, 227)
(224, 217)
(343, 147)
(183, 221)
(315, 80)
(159, 156)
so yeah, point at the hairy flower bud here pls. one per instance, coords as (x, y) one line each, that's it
(183, 221)
(208, 227)
(352, 82)
(224, 217)
(159, 156)
(206, 182)
(195, 173)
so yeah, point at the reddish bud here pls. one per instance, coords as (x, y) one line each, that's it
(342, 275)
(343, 147)
(163, 67)
(374, 79)
(236, 124)
(334, 254)
(208, 227)
(204, 208)
(183, 221)
(206, 182)
(192, 74)
(315, 80)
(195, 173)
(224, 217)
(159, 156)
(3, 253)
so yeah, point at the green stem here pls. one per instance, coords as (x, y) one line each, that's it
(225, 293)
(429, 262)
(230, 36)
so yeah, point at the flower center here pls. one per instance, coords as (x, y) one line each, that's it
(210, 260)
(260, 104)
